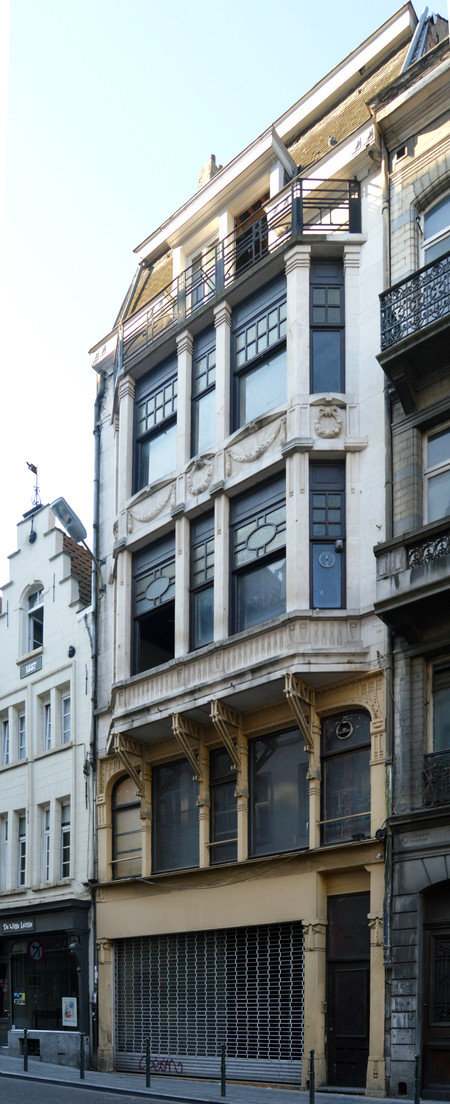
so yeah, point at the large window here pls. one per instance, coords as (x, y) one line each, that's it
(156, 424)
(327, 326)
(65, 719)
(126, 822)
(45, 841)
(441, 708)
(35, 619)
(47, 725)
(22, 743)
(258, 531)
(346, 777)
(259, 354)
(6, 750)
(175, 817)
(279, 794)
(22, 849)
(437, 475)
(154, 604)
(203, 392)
(223, 833)
(327, 535)
(202, 581)
(65, 840)
(436, 230)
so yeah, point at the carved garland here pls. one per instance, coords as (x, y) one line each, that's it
(160, 500)
(258, 450)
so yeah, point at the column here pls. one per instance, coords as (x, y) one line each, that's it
(181, 586)
(242, 798)
(297, 525)
(184, 349)
(125, 450)
(352, 254)
(105, 1056)
(123, 639)
(146, 819)
(222, 322)
(297, 263)
(376, 1066)
(221, 567)
(314, 778)
(204, 805)
(314, 934)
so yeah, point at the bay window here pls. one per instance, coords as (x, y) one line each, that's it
(258, 531)
(154, 604)
(279, 793)
(202, 581)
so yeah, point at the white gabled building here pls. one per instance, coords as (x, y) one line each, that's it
(46, 759)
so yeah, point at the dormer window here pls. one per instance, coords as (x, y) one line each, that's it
(36, 619)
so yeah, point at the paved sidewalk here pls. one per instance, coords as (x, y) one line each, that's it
(172, 1088)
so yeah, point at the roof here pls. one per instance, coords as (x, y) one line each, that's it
(81, 567)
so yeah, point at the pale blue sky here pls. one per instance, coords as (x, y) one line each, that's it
(113, 108)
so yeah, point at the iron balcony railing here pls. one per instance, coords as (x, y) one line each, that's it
(303, 207)
(414, 303)
(436, 778)
(433, 547)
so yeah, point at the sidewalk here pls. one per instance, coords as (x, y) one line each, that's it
(184, 1090)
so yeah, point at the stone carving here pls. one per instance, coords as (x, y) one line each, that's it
(328, 422)
(158, 502)
(199, 475)
(314, 935)
(376, 930)
(259, 442)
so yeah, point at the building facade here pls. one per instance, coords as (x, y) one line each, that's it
(241, 708)
(413, 565)
(46, 806)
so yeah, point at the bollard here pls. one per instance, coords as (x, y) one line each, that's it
(312, 1077)
(81, 1056)
(147, 1064)
(223, 1085)
(417, 1079)
(25, 1050)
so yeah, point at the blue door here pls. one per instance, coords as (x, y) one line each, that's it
(327, 535)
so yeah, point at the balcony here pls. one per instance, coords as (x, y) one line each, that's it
(413, 579)
(415, 330)
(436, 779)
(304, 207)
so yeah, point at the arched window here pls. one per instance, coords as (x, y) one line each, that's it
(126, 822)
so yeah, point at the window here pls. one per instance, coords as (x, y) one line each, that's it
(279, 793)
(202, 581)
(156, 424)
(437, 475)
(203, 393)
(65, 720)
(258, 533)
(327, 535)
(441, 709)
(327, 326)
(45, 873)
(5, 743)
(154, 604)
(22, 850)
(65, 839)
(36, 619)
(251, 235)
(126, 821)
(175, 817)
(3, 851)
(47, 726)
(346, 777)
(22, 744)
(223, 825)
(259, 350)
(436, 230)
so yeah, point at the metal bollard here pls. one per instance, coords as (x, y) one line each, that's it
(312, 1077)
(25, 1050)
(147, 1064)
(417, 1079)
(223, 1083)
(81, 1056)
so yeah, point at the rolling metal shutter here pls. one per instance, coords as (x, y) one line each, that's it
(191, 992)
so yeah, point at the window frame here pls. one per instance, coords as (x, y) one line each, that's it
(46, 844)
(148, 394)
(337, 472)
(22, 736)
(443, 235)
(431, 471)
(204, 348)
(262, 500)
(65, 844)
(331, 751)
(6, 742)
(22, 850)
(440, 681)
(155, 561)
(269, 804)
(66, 735)
(35, 608)
(247, 317)
(316, 281)
(202, 536)
(47, 725)
(221, 782)
(167, 822)
(4, 830)
(133, 854)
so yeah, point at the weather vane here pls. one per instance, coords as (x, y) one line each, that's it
(36, 499)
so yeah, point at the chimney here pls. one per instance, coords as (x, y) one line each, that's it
(208, 171)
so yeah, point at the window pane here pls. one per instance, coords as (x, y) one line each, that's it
(327, 577)
(203, 617)
(204, 423)
(439, 496)
(438, 217)
(326, 360)
(157, 456)
(438, 448)
(346, 783)
(223, 807)
(263, 388)
(279, 796)
(175, 817)
(261, 594)
(433, 252)
(441, 718)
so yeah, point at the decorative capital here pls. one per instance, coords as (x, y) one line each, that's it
(352, 256)
(298, 257)
(376, 929)
(127, 388)
(185, 342)
(314, 934)
(222, 314)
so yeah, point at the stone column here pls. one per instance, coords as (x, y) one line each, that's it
(125, 448)
(314, 934)
(181, 586)
(222, 322)
(105, 1056)
(297, 524)
(297, 262)
(123, 642)
(352, 256)
(184, 349)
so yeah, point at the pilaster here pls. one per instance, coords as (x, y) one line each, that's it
(123, 616)
(222, 322)
(297, 542)
(125, 446)
(105, 1055)
(297, 262)
(221, 566)
(314, 935)
(184, 350)
(352, 257)
(181, 586)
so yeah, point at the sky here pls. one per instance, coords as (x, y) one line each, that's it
(111, 109)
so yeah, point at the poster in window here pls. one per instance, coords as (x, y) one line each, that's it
(69, 1012)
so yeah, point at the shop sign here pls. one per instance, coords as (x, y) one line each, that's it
(69, 1012)
(15, 927)
(30, 668)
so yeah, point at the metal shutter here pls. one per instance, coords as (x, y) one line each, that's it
(191, 992)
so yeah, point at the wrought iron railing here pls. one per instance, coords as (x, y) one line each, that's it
(436, 778)
(429, 548)
(305, 206)
(414, 303)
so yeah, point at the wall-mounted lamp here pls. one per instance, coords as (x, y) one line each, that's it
(75, 529)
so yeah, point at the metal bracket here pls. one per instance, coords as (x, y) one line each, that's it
(188, 736)
(124, 747)
(300, 699)
(227, 724)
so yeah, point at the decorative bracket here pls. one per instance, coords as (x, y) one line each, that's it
(188, 736)
(125, 747)
(227, 724)
(300, 699)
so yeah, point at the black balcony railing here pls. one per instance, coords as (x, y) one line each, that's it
(303, 207)
(429, 548)
(414, 303)
(436, 778)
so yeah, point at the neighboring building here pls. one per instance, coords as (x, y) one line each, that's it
(46, 807)
(413, 565)
(241, 685)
